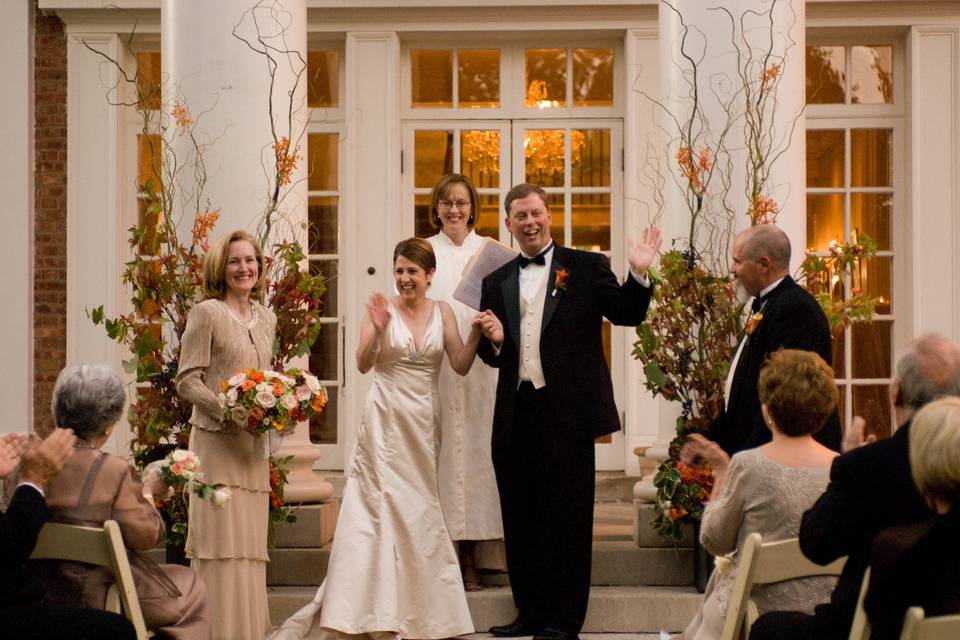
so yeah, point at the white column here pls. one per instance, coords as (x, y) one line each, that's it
(934, 54)
(710, 42)
(226, 86)
(16, 192)
(642, 142)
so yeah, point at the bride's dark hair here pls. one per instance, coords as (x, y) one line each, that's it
(417, 251)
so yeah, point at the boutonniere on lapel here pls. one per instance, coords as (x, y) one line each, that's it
(560, 281)
(753, 323)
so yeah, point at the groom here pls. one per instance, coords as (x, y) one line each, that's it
(554, 396)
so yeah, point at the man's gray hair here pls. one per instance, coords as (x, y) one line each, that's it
(768, 240)
(87, 398)
(928, 368)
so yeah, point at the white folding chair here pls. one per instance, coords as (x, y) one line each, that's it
(916, 626)
(860, 629)
(101, 547)
(766, 563)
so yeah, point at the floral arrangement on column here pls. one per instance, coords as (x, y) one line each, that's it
(696, 320)
(164, 272)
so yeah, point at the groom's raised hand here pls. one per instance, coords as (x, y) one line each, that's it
(641, 254)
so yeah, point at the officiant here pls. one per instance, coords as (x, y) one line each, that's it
(554, 396)
(468, 489)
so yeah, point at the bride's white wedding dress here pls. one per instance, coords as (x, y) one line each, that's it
(393, 570)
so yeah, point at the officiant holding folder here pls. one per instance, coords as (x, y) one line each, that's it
(468, 489)
(554, 396)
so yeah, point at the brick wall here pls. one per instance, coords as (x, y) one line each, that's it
(50, 215)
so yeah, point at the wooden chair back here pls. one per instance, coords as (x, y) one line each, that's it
(860, 629)
(765, 563)
(916, 626)
(100, 547)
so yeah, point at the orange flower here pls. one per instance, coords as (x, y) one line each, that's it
(224, 386)
(694, 169)
(753, 323)
(255, 375)
(277, 387)
(286, 162)
(768, 78)
(677, 512)
(318, 402)
(256, 417)
(181, 115)
(247, 384)
(763, 210)
(203, 223)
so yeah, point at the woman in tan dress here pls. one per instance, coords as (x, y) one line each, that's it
(94, 487)
(228, 332)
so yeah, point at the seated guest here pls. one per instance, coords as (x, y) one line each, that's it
(765, 490)
(94, 487)
(919, 565)
(870, 489)
(22, 615)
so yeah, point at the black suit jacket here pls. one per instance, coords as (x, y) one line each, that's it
(19, 528)
(914, 566)
(571, 347)
(870, 489)
(792, 319)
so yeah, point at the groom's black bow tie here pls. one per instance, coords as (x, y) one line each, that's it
(537, 259)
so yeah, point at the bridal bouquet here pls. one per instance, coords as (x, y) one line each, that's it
(180, 471)
(266, 401)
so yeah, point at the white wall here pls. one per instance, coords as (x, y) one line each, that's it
(16, 194)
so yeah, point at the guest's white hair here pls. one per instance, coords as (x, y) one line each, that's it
(935, 450)
(87, 398)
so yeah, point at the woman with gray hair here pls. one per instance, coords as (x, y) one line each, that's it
(95, 486)
(919, 565)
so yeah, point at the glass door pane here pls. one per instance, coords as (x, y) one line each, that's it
(475, 149)
(323, 238)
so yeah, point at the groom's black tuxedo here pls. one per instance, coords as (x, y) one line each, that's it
(543, 438)
(791, 319)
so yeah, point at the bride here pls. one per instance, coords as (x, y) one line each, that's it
(393, 571)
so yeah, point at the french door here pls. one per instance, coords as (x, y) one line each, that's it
(577, 161)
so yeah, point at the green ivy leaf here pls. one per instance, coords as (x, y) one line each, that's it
(655, 374)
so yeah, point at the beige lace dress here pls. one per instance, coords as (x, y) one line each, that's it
(762, 496)
(228, 546)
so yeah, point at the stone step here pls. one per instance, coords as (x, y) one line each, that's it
(644, 535)
(610, 485)
(611, 609)
(615, 563)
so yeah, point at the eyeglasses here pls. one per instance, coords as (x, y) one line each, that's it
(446, 205)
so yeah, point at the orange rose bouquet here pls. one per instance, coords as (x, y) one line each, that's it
(264, 401)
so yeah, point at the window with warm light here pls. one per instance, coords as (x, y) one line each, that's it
(852, 137)
(455, 78)
(323, 232)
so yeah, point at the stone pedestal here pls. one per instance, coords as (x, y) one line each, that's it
(304, 485)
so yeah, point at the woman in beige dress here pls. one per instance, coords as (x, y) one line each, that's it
(468, 487)
(767, 489)
(393, 571)
(94, 487)
(229, 331)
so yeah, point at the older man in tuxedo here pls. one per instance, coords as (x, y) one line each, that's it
(22, 615)
(554, 396)
(871, 488)
(783, 316)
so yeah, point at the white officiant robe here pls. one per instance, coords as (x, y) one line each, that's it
(468, 487)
